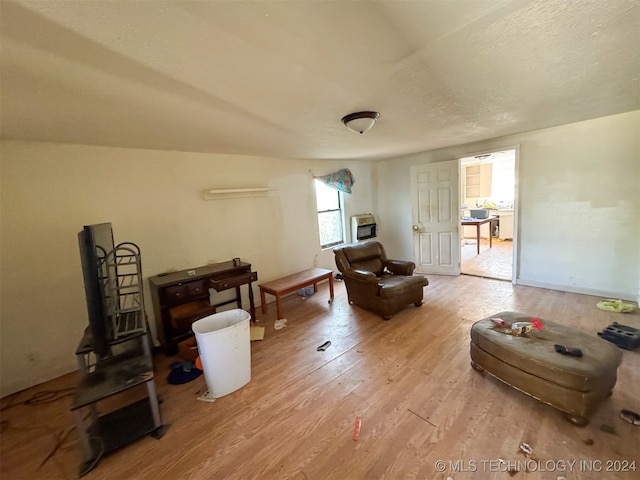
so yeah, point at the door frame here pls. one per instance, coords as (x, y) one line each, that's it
(515, 263)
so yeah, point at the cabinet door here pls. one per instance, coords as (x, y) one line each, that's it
(506, 225)
(486, 173)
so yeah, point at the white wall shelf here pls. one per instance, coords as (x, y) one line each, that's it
(226, 193)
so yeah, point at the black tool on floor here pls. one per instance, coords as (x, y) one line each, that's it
(622, 335)
(630, 416)
(566, 350)
(324, 346)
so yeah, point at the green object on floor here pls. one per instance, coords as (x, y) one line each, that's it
(617, 306)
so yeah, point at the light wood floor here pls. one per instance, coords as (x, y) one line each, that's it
(494, 262)
(409, 380)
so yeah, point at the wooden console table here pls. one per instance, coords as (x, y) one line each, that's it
(191, 286)
(291, 283)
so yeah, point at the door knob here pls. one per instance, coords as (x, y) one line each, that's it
(416, 228)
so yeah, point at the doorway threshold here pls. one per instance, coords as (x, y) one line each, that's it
(488, 277)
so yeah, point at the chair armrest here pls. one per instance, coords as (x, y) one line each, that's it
(399, 267)
(361, 276)
(361, 283)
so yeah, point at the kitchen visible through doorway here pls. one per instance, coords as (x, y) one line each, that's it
(488, 182)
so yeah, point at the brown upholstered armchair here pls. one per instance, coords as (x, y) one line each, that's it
(375, 282)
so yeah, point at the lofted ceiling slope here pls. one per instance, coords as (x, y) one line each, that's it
(274, 78)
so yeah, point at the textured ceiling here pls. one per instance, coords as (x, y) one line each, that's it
(274, 78)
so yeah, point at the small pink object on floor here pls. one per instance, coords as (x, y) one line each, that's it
(356, 429)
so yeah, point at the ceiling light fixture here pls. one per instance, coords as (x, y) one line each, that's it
(360, 122)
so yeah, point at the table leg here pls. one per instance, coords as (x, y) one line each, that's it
(278, 307)
(239, 298)
(478, 237)
(153, 403)
(331, 287)
(263, 300)
(252, 307)
(84, 437)
(490, 233)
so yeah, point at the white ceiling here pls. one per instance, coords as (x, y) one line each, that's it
(274, 78)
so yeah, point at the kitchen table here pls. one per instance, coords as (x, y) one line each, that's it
(478, 222)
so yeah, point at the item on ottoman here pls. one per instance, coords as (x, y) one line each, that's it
(530, 363)
(567, 350)
(521, 328)
(622, 335)
(375, 282)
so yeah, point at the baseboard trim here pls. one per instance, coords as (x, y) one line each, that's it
(580, 290)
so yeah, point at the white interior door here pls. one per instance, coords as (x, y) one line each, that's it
(436, 217)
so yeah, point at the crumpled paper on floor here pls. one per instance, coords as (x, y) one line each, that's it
(279, 324)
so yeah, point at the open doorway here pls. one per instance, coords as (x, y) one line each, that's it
(487, 200)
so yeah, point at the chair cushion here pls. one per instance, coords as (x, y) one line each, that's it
(394, 285)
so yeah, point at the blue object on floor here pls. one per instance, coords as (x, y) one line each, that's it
(183, 372)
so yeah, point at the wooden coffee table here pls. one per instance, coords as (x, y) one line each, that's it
(291, 283)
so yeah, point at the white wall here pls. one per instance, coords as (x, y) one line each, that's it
(579, 204)
(154, 199)
(579, 212)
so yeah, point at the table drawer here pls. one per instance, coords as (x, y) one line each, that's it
(182, 292)
(231, 282)
(196, 289)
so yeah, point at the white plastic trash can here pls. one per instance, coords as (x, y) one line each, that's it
(224, 346)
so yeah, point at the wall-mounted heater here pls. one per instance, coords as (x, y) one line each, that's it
(363, 227)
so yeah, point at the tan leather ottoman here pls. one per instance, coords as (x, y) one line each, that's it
(529, 363)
